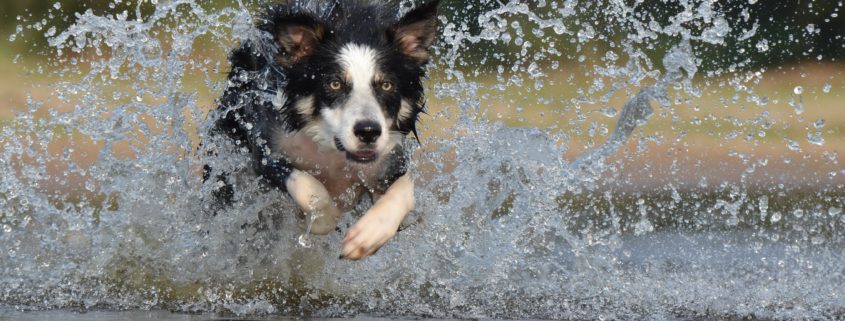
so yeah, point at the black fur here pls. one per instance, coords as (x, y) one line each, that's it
(263, 67)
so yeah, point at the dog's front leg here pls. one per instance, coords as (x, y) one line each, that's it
(381, 222)
(314, 200)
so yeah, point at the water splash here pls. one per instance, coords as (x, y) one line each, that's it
(103, 204)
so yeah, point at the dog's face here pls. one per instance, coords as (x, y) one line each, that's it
(354, 80)
(359, 103)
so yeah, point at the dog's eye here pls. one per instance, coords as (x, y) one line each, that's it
(387, 86)
(335, 85)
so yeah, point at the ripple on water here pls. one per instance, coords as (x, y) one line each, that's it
(103, 208)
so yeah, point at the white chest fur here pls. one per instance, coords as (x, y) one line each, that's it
(345, 180)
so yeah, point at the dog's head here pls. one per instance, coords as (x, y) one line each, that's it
(354, 74)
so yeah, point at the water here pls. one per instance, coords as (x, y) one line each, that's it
(156, 315)
(614, 214)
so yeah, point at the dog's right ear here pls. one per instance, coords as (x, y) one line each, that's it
(297, 36)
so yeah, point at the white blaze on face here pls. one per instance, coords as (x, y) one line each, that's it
(359, 64)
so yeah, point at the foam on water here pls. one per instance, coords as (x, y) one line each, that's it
(103, 204)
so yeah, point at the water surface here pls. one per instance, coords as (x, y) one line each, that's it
(581, 160)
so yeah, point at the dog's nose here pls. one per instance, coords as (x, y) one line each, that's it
(367, 131)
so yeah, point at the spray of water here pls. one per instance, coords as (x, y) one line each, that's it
(103, 205)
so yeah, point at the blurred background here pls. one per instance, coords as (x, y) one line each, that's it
(792, 46)
(776, 22)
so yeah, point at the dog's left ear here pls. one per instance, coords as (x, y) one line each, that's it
(416, 31)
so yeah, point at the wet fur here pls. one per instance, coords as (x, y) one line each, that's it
(279, 111)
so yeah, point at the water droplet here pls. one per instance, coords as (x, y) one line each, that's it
(799, 213)
(833, 211)
(608, 111)
(586, 33)
(793, 146)
(798, 105)
(776, 216)
(763, 45)
(7, 228)
(811, 28)
(303, 240)
(798, 90)
(752, 1)
(819, 124)
(826, 88)
(815, 139)
(57, 5)
(643, 227)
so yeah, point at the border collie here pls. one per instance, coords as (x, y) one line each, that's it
(323, 104)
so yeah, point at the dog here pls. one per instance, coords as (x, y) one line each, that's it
(322, 105)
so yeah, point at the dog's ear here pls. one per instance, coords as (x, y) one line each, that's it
(298, 36)
(416, 31)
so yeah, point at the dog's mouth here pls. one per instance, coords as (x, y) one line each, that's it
(361, 156)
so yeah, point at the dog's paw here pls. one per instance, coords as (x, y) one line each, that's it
(318, 209)
(367, 236)
(322, 221)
